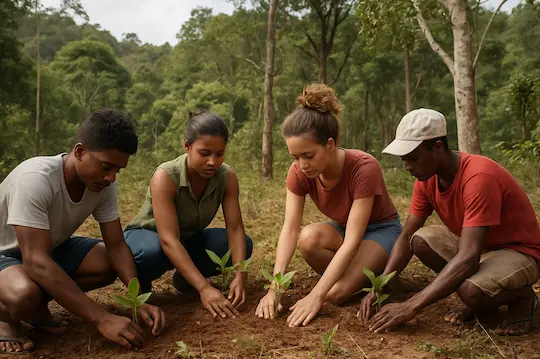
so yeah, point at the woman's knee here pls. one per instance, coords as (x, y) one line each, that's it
(339, 294)
(310, 239)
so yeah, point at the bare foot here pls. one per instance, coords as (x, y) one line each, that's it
(45, 322)
(12, 340)
(459, 316)
(520, 316)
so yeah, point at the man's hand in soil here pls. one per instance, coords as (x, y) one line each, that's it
(121, 330)
(265, 309)
(391, 315)
(304, 310)
(213, 301)
(153, 317)
(366, 307)
(237, 290)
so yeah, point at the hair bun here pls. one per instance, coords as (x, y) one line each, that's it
(320, 97)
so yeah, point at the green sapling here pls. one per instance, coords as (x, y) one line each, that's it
(327, 340)
(281, 284)
(132, 300)
(222, 266)
(377, 284)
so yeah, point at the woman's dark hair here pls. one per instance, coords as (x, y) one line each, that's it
(203, 123)
(108, 129)
(317, 114)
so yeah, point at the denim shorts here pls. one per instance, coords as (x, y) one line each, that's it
(69, 255)
(385, 233)
(152, 262)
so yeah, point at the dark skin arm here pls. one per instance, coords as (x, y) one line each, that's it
(399, 258)
(163, 192)
(236, 237)
(121, 260)
(462, 266)
(36, 248)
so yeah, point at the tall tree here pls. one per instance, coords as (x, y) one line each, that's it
(268, 83)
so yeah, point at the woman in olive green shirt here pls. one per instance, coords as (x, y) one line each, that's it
(182, 199)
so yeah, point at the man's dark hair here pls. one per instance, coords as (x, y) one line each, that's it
(107, 129)
(431, 143)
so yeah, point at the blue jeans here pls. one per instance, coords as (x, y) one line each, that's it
(152, 262)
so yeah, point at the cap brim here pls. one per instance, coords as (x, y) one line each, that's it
(401, 147)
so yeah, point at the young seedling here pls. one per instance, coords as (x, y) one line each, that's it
(281, 284)
(183, 351)
(327, 340)
(222, 266)
(242, 266)
(377, 284)
(132, 300)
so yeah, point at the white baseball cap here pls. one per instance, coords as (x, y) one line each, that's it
(416, 126)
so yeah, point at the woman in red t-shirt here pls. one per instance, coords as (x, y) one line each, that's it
(348, 187)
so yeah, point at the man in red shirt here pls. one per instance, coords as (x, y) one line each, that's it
(488, 249)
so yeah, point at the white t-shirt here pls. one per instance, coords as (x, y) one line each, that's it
(34, 195)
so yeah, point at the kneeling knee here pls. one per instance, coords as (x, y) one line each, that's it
(338, 295)
(309, 240)
(22, 298)
(418, 245)
(471, 295)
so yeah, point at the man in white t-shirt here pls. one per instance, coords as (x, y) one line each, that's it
(42, 203)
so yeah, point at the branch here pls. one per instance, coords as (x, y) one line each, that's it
(419, 77)
(254, 64)
(280, 67)
(306, 51)
(311, 41)
(318, 9)
(475, 62)
(434, 45)
(347, 54)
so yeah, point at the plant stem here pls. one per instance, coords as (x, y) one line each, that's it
(134, 313)
(278, 301)
(378, 306)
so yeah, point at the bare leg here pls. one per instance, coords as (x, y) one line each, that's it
(95, 271)
(319, 243)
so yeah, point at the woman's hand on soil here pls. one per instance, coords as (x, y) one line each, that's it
(304, 310)
(366, 307)
(265, 309)
(391, 315)
(237, 290)
(121, 330)
(213, 301)
(153, 317)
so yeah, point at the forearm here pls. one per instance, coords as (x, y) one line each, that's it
(237, 241)
(400, 256)
(121, 260)
(288, 240)
(339, 263)
(179, 257)
(448, 280)
(55, 281)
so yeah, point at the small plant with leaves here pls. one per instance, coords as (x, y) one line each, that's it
(132, 300)
(183, 351)
(377, 285)
(222, 266)
(281, 284)
(327, 340)
(242, 265)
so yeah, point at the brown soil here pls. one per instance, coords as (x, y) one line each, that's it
(426, 336)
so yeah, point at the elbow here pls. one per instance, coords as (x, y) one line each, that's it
(469, 265)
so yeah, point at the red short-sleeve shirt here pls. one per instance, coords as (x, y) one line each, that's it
(361, 177)
(483, 193)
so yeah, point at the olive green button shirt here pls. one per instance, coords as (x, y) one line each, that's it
(193, 215)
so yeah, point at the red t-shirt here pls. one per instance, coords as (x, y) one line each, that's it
(361, 177)
(483, 193)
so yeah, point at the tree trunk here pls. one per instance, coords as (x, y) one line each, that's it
(322, 66)
(408, 98)
(268, 101)
(38, 86)
(366, 120)
(464, 81)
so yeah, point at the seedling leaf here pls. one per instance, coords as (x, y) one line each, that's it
(214, 257)
(141, 299)
(387, 278)
(226, 257)
(367, 289)
(382, 298)
(124, 302)
(287, 277)
(133, 288)
(369, 273)
(266, 286)
(267, 275)
(279, 277)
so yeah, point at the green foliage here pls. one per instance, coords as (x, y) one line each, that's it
(280, 284)
(222, 266)
(183, 351)
(377, 285)
(243, 265)
(327, 340)
(132, 300)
